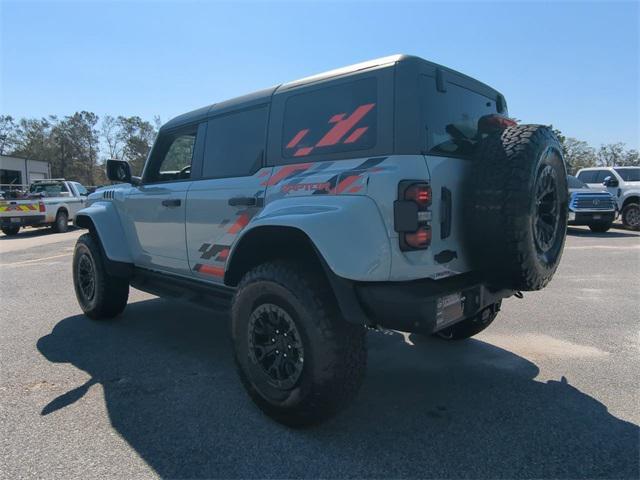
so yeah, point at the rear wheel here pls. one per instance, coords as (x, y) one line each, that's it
(469, 327)
(62, 222)
(10, 231)
(631, 216)
(299, 360)
(99, 294)
(600, 227)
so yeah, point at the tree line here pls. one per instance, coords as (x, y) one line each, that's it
(579, 154)
(78, 145)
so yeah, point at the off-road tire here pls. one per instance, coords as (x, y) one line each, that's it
(335, 354)
(600, 227)
(471, 326)
(517, 207)
(10, 231)
(631, 216)
(61, 224)
(110, 293)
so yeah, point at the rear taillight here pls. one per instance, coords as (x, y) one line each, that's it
(419, 193)
(41, 207)
(421, 238)
(412, 215)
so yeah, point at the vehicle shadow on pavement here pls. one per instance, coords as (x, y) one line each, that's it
(432, 409)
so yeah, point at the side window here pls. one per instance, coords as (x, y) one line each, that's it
(235, 143)
(602, 174)
(80, 189)
(588, 176)
(335, 119)
(452, 117)
(171, 157)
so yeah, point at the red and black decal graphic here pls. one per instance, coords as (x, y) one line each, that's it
(286, 172)
(314, 186)
(348, 177)
(342, 125)
(214, 270)
(213, 251)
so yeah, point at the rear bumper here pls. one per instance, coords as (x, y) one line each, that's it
(421, 306)
(577, 217)
(22, 221)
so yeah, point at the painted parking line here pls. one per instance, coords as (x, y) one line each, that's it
(35, 260)
(604, 247)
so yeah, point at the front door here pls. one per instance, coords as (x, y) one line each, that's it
(155, 210)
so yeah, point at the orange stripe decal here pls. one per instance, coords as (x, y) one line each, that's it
(286, 171)
(344, 184)
(296, 139)
(357, 133)
(240, 223)
(341, 127)
(211, 270)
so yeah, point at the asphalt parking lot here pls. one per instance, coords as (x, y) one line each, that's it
(550, 390)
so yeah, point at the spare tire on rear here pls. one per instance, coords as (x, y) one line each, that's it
(517, 207)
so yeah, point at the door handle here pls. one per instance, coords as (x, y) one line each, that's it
(244, 201)
(173, 202)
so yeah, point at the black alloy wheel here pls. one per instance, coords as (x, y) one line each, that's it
(546, 218)
(275, 345)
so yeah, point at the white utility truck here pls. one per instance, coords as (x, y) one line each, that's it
(52, 202)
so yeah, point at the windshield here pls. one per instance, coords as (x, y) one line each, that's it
(48, 189)
(629, 174)
(574, 182)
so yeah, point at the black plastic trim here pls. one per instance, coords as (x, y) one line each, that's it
(164, 284)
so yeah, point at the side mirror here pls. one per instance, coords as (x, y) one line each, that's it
(610, 182)
(119, 171)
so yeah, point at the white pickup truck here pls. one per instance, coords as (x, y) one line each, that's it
(50, 202)
(621, 182)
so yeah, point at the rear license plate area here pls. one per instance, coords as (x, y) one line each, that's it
(449, 309)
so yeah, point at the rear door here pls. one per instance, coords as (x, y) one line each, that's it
(154, 212)
(230, 191)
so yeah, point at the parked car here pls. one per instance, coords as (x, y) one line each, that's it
(590, 207)
(623, 183)
(52, 202)
(326, 205)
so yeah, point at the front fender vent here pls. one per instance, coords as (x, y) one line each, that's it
(108, 194)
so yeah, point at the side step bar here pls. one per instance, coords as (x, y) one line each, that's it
(204, 294)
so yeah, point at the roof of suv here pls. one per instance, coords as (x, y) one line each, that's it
(262, 96)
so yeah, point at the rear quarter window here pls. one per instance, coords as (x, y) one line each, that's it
(235, 143)
(335, 119)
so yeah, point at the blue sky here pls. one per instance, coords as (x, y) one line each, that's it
(572, 64)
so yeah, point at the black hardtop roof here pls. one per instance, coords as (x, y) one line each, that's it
(264, 96)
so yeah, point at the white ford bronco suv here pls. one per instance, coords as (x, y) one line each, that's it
(393, 193)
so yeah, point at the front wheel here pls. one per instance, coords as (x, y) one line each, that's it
(631, 216)
(99, 294)
(471, 326)
(11, 230)
(299, 360)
